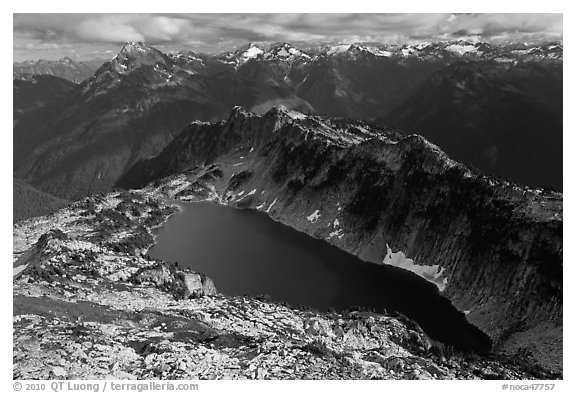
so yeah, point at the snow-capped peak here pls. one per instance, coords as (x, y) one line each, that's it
(462, 48)
(291, 113)
(284, 51)
(356, 49)
(252, 52)
(140, 47)
(133, 57)
(247, 52)
(369, 49)
(341, 48)
(136, 54)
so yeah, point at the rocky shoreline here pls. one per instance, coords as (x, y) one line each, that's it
(88, 303)
(492, 247)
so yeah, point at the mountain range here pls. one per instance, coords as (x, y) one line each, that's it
(441, 159)
(507, 121)
(66, 68)
(135, 104)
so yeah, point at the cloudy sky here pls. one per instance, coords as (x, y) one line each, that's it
(52, 36)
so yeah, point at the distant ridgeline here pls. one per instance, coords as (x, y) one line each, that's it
(498, 108)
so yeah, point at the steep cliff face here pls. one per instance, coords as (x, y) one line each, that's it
(493, 248)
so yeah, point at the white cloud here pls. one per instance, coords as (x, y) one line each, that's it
(212, 32)
(107, 29)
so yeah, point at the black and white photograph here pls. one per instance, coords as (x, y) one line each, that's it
(287, 196)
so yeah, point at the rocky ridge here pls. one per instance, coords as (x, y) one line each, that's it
(88, 304)
(425, 51)
(492, 247)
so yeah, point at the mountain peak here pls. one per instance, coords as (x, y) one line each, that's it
(284, 51)
(132, 46)
(237, 112)
(136, 54)
(248, 51)
(133, 56)
(341, 48)
(286, 111)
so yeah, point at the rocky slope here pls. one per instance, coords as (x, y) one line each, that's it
(493, 248)
(89, 305)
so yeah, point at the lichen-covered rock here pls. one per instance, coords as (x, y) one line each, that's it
(85, 308)
(198, 285)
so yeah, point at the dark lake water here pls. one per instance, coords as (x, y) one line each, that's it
(246, 252)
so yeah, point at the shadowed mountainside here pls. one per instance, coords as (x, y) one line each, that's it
(30, 202)
(506, 121)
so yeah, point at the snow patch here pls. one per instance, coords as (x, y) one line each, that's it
(313, 217)
(408, 52)
(260, 206)
(338, 49)
(376, 52)
(252, 52)
(337, 232)
(432, 273)
(461, 49)
(383, 53)
(272, 204)
(250, 193)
